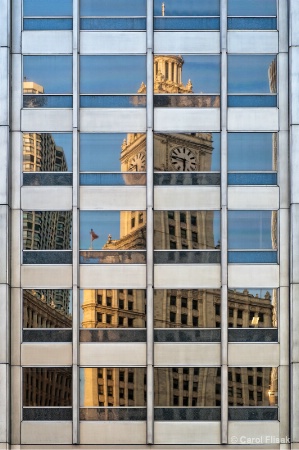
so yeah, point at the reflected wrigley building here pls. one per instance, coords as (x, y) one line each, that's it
(149, 202)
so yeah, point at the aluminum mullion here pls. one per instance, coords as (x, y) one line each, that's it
(150, 224)
(224, 288)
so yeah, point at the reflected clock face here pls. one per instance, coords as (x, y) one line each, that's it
(183, 159)
(137, 163)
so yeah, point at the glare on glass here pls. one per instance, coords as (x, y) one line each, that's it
(254, 230)
(187, 308)
(113, 308)
(47, 152)
(252, 152)
(252, 308)
(190, 230)
(47, 74)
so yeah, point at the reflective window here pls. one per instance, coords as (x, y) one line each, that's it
(105, 237)
(104, 75)
(126, 308)
(253, 386)
(112, 159)
(202, 230)
(252, 230)
(47, 152)
(252, 15)
(186, 308)
(252, 308)
(186, 386)
(45, 15)
(255, 75)
(196, 78)
(47, 386)
(44, 76)
(47, 308)
(112, 15)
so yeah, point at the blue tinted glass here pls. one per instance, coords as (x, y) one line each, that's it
(251, 23)
(48, 24)
(47, 8)
(53, 74)
(251, 7)
(253, 257)
(251, 101)
(47, 101)
(247, 179)
(252, 229)
(251, 74)
(113, 24)
(190, 23)
(105, 74)
(252, 151)
(189, 8)
(119, 8)
(112, 179)
(112, 101)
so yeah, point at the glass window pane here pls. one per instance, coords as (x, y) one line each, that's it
(253, 386)
(35, 8)
(254, 74)
(252, 308)
(118, 8)
(187, 152)
(251, 8)
(252, 230)
(186, 386)
(113, 386)
(200, 306)
(252, 151)
(126, 308)
(47, 230)
(104, 74)
(112, 230)
(117, 152)
(47, 308)
(202, 230)
(47, 75)
(190, 8)
(47, 386)
(47, 152)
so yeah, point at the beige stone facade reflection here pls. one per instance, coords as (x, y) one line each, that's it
(49, 308)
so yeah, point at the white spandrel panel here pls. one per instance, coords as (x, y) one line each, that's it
(188, 276)
(4, 86)
(255, 434)
(252, 119)
(112, 42)
(112, 276)
(112, 120)
(46, 198)
(47, 42)
(185, 197)
(253, 355)
(294, 20)
(46, 120)
(184, 433)
(113, 432)
(184, 355)
(252, 42)
(186, 119)
(253, 197)
(104, 354)
(50, 354)
(112, 198)
(58, 277)
(52, 433)
(179, 42)
(253, 275)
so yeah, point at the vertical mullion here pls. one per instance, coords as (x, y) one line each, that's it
(150, 224)
(224, 287)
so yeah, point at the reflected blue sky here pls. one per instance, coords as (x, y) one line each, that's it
(53, 73)
(187, 8)
(252, 8)
(48, 7)
(249, 73)
(203, 71)
(65, 140)
(249, 229)
(112, 74)
(123, 8)
(250, 151)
